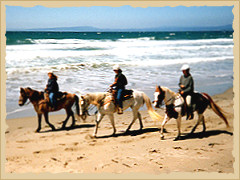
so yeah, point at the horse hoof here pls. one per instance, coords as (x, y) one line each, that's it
(177, 138)
(94, 136)
(53, 128)
(162, 137)
(63, 127)
(37, 130)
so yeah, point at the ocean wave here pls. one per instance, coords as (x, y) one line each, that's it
(104, 65)
(20, 41)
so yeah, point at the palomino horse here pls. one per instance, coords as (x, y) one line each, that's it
(175, 107)
(41, 106)
(106, 106)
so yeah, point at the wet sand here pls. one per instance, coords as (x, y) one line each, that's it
(74, 150)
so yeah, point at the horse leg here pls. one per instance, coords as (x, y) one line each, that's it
(47, 121)
(140, 120)
(111, 117)
(166, 119)
(135, 116)
(179, 128)
(68, 112)
(203, 122)
(39, 122)
(200, 116)
(98, 120)
(73, 119)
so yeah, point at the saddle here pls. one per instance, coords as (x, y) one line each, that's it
(127, 94)
(194, 101)
(59, 96)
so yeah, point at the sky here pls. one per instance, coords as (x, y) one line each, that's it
(117, 17)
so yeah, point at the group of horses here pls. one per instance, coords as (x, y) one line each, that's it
(105, 105)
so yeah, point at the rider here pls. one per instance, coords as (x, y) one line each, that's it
(186, 85)
(52, 89)
(119, 84)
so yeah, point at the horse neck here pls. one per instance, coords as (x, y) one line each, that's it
(34, 96)
(95, 98)
(170, 96)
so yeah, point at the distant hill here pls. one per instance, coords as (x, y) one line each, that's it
(94, 29)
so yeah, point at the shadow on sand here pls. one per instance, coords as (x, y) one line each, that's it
(206, 134)
(70, 128)
(131, 133)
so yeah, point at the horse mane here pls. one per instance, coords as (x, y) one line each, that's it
(95, 98)
(172, 93)
(34, 93)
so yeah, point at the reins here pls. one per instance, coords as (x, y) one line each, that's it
(28, 102)
(91, 107)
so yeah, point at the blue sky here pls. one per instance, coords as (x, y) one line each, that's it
(117, 17)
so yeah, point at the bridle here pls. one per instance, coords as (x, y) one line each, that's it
(85, 108)
(21, 99)
(160, 98)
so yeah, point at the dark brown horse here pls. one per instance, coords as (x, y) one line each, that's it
(175, 107)
(42, 107)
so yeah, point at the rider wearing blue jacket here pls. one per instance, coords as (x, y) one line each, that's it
(119, 85)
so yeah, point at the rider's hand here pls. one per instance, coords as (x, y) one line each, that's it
(182, 92)
(182, 86)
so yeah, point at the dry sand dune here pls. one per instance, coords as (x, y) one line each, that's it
(75, 151)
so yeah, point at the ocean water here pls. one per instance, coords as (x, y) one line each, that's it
(83, 61)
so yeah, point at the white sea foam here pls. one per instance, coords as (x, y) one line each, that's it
(86, 65)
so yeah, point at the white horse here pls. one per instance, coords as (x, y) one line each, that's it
(175, 107)
(105, 105)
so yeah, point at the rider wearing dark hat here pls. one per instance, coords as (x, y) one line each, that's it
(119, 85)
(186, 85)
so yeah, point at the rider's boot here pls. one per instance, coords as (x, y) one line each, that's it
(120, 110)
(190, 114)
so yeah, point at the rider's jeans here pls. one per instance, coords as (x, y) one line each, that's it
(120, 97)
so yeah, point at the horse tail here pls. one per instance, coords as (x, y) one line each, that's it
(76, 98)
(216, 108)
(153, 114)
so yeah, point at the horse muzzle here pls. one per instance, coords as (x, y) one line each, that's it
(84, 115)
(155, 104)
(20, 103)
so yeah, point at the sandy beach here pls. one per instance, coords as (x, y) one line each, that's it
(76, 151)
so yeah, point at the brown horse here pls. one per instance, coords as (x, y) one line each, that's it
(41, 105)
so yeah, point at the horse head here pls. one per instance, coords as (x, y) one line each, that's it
(23, 96)
(84, 104)
(159, 95)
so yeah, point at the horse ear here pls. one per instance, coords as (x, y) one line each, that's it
(160, 89)
(82, 97)
(22, 90)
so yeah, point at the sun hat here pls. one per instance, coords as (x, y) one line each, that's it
(185, 67)
(116, 67)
